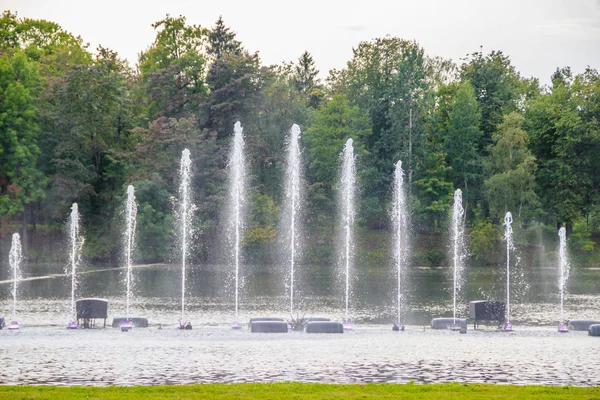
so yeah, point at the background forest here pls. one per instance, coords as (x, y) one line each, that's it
(78, 125)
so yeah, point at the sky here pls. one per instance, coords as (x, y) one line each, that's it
(537, 35)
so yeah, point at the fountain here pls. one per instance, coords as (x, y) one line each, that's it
(400, 225)
(292, 207)
(459, 250)
(76, 244)
(14, 258)
(130, 216)
(347, 193)
(237, 193)
(563, 264)
(186, 213)
(508, 237)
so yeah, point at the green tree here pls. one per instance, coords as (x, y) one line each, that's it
(221, 40)
(20, 180)
(511, 169)
(334, 123)
(498, 89)
(173, 69)
(306, 80)
(461, 143)
(565, 139)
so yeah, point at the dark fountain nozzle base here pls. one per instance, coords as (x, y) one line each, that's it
(563, 328)
(72, 325)
(236, 325)
(398, 327)
(186, 325)
(507, 327)
(126, 326)
(14, 325)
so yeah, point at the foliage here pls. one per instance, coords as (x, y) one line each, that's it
(484, 239)
(78, 126)
(20, 181)
(333, 125)
(511, 168)
(461, 143)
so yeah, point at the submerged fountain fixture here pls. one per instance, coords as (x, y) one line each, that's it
(76, 244)
(400, 226)
(186, 213)
(292, 208)
(347, 193)
(237, 193)
(564, 267)
(14, 258)
(508, 237)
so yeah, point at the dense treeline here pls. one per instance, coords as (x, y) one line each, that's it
(78, 126)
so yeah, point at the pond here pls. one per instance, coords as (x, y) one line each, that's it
(44, 352)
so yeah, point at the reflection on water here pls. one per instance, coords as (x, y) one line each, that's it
(44, 352)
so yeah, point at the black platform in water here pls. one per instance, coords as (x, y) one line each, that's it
(582, 324)
(2, 322)
(594, 330)
(138, 322)
(89, 310)
(268, 327)
(484, 310)
(449, 323)
(324, 327)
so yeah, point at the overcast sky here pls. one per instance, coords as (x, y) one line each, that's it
(538, 35)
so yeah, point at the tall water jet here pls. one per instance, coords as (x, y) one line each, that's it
(347, 194)
(508, 237)
(401, 244)
(237, 196)
(564, 267)
(14, 259)
(76, 244)
(130, 219)
(458, 247)
(186, 213)
(292, 206)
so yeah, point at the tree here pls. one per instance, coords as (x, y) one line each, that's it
(511, 169)
(221, 40)
(461, 142)
(498, 88)
(389, 77)
(565, 140)
(334, 123)
(173, 69)
(20, 181)
(307, 82)
(234, 80)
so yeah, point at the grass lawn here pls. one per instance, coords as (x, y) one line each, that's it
(289, 391)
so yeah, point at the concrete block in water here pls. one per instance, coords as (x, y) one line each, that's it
(324, 327)
(269, 327)
(315, 319)
(594, 330)
(445, 323)
(582, 324)
(265, 319)
(138, 322)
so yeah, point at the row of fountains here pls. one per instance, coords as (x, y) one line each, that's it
(292, 210)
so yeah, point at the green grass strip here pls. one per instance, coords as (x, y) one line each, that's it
(304, 391)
